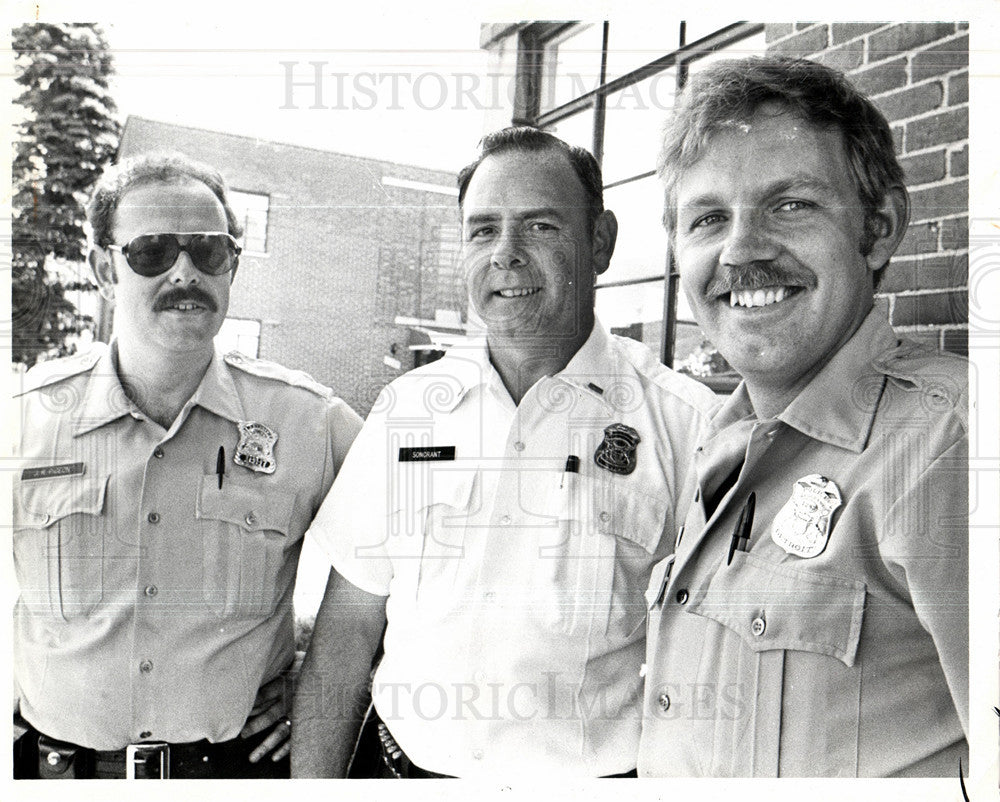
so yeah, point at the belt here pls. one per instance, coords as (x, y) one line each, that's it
(396, 765)
(146, 760)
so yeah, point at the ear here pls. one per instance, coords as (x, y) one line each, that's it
(232, 275)
(103, 269)
(888, 226)
(603, 240)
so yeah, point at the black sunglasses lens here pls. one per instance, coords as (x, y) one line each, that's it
(152, 254)
(211, 253)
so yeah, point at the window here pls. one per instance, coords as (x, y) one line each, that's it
(609, 87)
(251, 210)
(238, 335)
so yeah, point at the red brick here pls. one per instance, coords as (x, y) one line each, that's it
(897, 139)
(920, 238)
(924, 168)
(931, 308)
(926, 273)
(958, 162)
(954, 233)
(845, 58)
(956, 341)
(801, 44)
(958, 89)
(905, 37)
(938, 129)
(940, 201)
(843, 31)
(882, 78)
(801, 26)
(946, 57)
(777, 30)
(911, 101)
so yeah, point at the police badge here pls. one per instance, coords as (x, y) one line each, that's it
(617, 452)
(802, 526)
(254, 450)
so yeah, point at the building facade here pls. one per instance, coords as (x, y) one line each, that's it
(609, 86)
(343, 257)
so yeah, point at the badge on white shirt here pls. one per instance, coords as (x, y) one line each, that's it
(256, 447)
(802, 526)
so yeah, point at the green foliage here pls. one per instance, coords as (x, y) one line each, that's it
(67, 135)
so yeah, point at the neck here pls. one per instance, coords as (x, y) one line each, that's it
(522, 361)
(160, 384)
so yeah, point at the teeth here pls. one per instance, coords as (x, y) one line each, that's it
(518, 292)
(762, 297)
(185, 307)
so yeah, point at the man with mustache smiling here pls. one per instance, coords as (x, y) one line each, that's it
(813, 620)
(503, 507)
(159, 516)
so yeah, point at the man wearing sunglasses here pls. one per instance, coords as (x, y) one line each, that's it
(160, 510)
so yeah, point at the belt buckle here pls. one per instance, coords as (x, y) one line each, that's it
(154, 758)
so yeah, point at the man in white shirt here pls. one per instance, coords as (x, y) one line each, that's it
(502, 509)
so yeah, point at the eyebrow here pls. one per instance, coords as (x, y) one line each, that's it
(794, 183)
(520, 214)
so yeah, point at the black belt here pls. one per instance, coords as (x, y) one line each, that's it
(396, 765)
(52, 759)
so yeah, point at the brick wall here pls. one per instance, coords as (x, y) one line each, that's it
(345, 254)
(917, 73)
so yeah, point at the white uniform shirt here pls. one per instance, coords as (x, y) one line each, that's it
(515, 589)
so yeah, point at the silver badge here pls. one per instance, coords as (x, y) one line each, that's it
(802, 527)
(255, 449)
(617, 452)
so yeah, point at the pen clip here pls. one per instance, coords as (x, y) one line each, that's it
(737, 533)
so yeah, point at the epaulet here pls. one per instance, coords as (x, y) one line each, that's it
(939, 375)
(51, 371)
(272, 370)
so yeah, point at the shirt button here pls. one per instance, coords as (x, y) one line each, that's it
(664, 702)
(145, 734)
(153, 517)
(604, 517)
(477, 754)
(682, 596)
(490, 597)
(505, 519)
(757, 626)
(151, 590)
(146, 666)
(158, 452)
(251, 519)
(479, 677)
(519, 446)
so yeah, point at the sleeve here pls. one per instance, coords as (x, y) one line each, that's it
(927, 534)
(351, 524)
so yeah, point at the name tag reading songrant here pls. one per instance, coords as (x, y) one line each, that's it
(69, 469)
(427, 454)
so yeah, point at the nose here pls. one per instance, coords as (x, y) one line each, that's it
(507, 252)
(183, 272)
(747, 240)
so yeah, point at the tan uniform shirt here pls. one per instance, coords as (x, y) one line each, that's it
(850, 663)
(515, 589)
(153, 604)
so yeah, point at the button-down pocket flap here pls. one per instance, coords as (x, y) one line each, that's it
(774, 606)
(42, 502)
(631, 514)
(253, 509)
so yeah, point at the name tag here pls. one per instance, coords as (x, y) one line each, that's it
(427, 454)
(69, 469)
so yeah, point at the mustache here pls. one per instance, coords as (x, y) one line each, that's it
(178, 295)
(757, 276)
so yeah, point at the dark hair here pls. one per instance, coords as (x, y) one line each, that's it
(151, 168)
(533, 140)
(732, 91)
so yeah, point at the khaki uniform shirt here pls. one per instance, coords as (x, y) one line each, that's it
(850, 663)
(515, 589)
(153, 604)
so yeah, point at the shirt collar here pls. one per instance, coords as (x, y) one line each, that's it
(105, 400)
(839, 403)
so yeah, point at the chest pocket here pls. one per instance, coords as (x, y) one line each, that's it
(245, 546)
(593, 567)
(773, 614)
(59, 540)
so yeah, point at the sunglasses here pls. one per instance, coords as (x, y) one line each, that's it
(154, 254)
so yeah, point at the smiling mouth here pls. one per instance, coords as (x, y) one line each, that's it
(765, 296)
(518, 292)
(185, 307)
